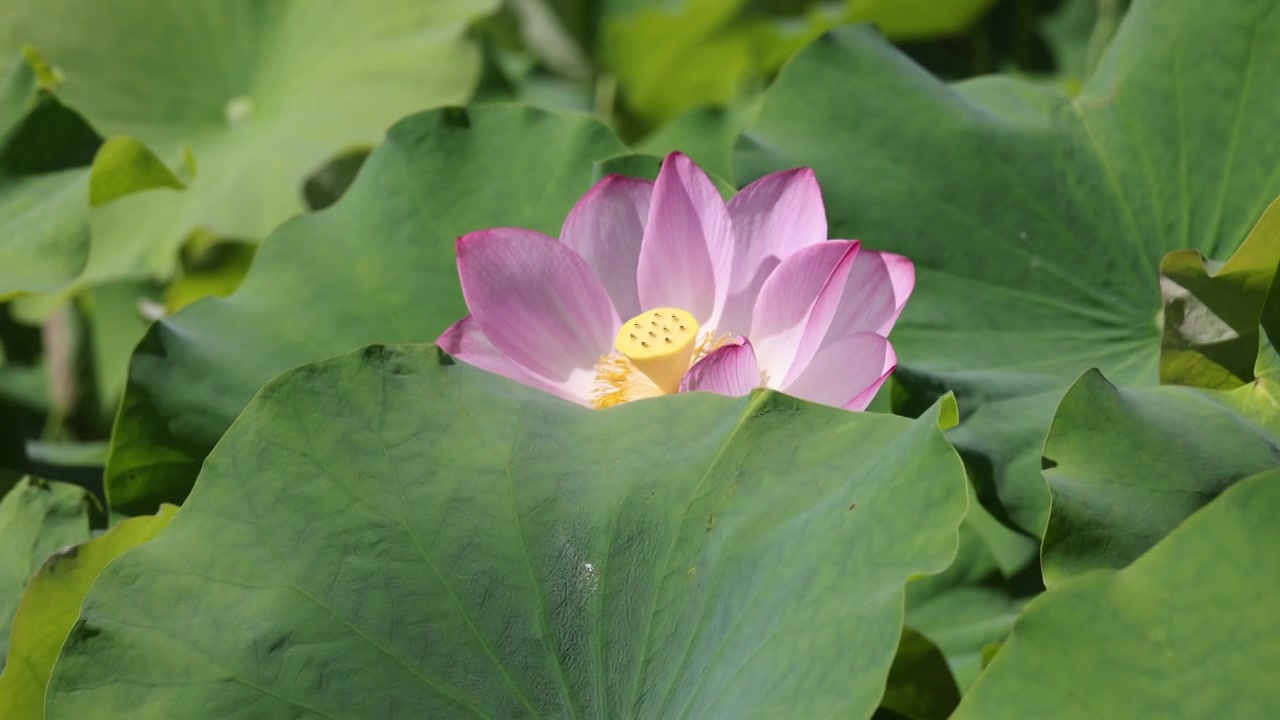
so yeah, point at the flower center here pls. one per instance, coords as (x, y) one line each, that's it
(660, 343)
(651, 355)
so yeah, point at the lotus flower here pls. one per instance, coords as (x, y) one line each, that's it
(661, 287)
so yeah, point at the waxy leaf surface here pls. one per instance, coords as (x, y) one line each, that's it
(387, 272)
(1037, 223)
(388, 533)
(1187, 631)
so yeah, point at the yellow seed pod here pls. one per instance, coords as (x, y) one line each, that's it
(660, 343)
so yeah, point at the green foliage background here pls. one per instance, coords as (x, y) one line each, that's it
(238, 482)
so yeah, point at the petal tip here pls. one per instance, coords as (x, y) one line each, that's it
(467, 241)
(613, 180)
(902, 275)
(678, 162)
(890, 357)
(451, 339)
(800, 174)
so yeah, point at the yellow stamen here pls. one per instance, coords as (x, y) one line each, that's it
(659, 343)
(619, 380)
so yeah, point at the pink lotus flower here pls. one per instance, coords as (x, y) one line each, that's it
(662, 287)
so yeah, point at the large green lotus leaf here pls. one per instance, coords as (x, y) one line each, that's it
(1037, 222)
(387, 533)
(1187, 631)
(263, 93)
(50, 606)
(387, 273)
(1212, 310)
(1129, 465)
(37, 518)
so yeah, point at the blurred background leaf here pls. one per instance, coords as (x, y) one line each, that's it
(50, 606)
(37, 518)
(260, 94)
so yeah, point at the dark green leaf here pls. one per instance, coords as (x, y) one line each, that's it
(1129, 465)
(1187, 631)
(383, 533)
(1037, 223)
(388, 273)
(920, 685)
(1211, 315)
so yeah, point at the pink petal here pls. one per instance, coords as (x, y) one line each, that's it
(536, 300)
(606, 228)
(729, 370)
(795, 307)
(772, 217)
(465, 341)
(846, 372)
(687, 254)
(874, 294)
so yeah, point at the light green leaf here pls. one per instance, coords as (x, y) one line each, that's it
(669, 60)
(51, 605)
(1129, 465)
(262, 94)
(915, 19)
(1187, 631)
(37, 518)
(388, 273)
(1211, 312)
(70, 454)
(19, 93)
(125, 166)
(675, 56)
(388, 532)
(217, 276)
(1037, 223)
(44, 231)
(43, 195)
(52, 169)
